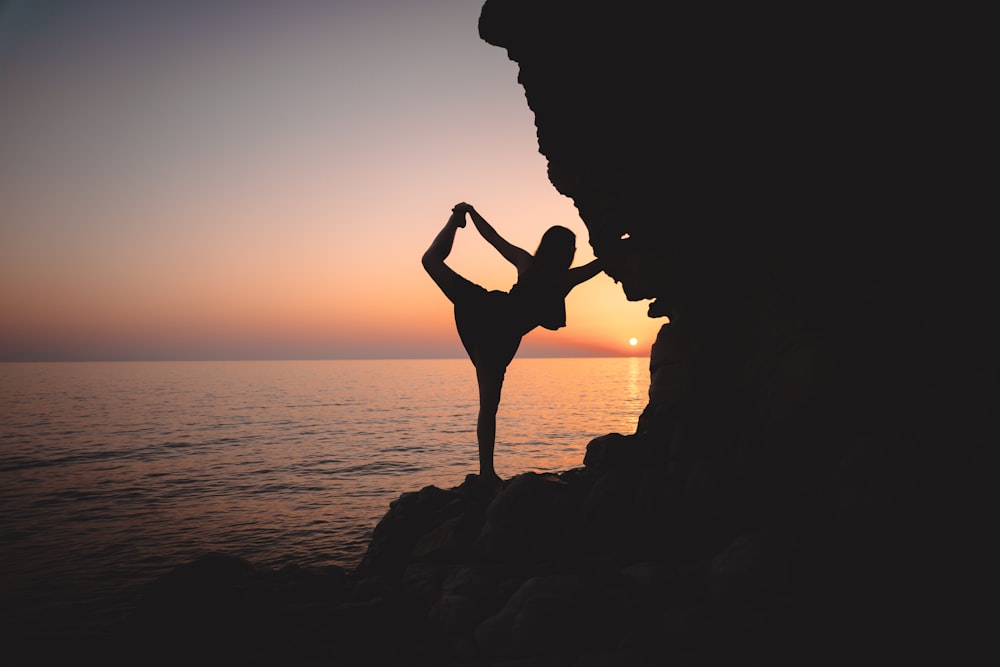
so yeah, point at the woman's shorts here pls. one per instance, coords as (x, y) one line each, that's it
(486, 326)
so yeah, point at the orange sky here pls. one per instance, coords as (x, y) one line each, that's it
(188, 183)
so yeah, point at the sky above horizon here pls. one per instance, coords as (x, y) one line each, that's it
(258, 180)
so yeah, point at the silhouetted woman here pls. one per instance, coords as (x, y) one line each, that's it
(492, 323)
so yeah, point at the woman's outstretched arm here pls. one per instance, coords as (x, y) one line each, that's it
(516, 256)
(584, 273)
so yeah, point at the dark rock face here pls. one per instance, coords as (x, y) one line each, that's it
(799, 193)
(802, 193)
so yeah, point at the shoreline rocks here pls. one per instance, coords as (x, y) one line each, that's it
(622, 561)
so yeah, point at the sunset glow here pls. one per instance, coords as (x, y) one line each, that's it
(185, 182)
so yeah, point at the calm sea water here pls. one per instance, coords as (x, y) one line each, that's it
(111, 474)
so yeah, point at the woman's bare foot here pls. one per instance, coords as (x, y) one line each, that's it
(457, 217)
(490, 480)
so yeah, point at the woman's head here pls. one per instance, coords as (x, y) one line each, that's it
(557, 247)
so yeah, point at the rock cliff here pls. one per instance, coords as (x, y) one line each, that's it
(801, 193)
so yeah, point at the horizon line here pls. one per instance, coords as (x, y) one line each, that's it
(235, 360)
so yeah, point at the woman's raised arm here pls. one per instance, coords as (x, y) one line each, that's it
(516, 256)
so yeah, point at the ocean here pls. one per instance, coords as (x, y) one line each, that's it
(112, 474)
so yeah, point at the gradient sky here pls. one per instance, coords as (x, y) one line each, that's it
(211, 179)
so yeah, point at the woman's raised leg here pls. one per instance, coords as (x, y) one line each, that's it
(440, 248)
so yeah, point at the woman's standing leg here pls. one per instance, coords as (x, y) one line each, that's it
(490, 384)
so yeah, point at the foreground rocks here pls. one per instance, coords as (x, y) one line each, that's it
(624, 561)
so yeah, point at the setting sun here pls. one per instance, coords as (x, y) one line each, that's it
(633, 341)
